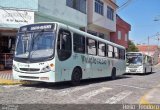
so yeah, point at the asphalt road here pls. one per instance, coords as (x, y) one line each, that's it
(126, 89)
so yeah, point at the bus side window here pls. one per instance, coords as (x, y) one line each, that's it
(116, 55)
(101, 49)
(64, 45)
(79, 43)
(91, 46)
(110, 51)
(122, 54)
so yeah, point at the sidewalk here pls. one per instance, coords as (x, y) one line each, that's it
(152, 97)
(7, 74)
(6, 78)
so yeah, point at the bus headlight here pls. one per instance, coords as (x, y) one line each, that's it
(14, 67)
(46, 69)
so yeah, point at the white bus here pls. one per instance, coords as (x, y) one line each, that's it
(137, 62)
(55, 52)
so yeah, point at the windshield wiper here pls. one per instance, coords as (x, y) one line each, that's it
(33, 41)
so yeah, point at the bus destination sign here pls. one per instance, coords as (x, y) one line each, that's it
(134, 54)
(37, 27)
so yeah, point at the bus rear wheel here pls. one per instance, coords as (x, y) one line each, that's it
(151, 70)
(76, 77)
(145, 71)
(113, 75)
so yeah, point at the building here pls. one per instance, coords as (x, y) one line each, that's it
(151, 50)
(101, 17)
(71, 12)
(97, 17)
(13, 15)
(121, 36)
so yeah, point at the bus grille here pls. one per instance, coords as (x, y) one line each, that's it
(29, 77)
(29, 69)
(133, 66)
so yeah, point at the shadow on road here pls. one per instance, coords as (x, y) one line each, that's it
(139, 74)
(67, 84)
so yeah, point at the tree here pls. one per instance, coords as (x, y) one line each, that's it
(132, 47)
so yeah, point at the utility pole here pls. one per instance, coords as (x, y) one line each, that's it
(148, 45)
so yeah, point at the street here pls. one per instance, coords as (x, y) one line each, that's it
(126, 89)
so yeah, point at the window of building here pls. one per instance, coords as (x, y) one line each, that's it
(110, 51)
(91, 46)
(110, 13)
(119, 35)
(102, 49)
(79, 5)
(92, 32)
(79, 43)
(101, 35)
(99, 7)
(126, 37)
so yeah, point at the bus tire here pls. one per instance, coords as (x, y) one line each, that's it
(151, 70)
(113, 75)
(76, 76)
(145, 71)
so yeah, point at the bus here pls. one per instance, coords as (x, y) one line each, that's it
(137, 62)
(55, 52)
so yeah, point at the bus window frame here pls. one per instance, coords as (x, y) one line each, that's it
(112, 52)
(116, 48)
(87, 44)
(105, 50)
(59, 53)
(82, 46)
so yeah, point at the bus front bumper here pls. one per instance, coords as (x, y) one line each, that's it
(134, 71)
(40, 77)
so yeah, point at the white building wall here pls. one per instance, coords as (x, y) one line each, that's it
(101, 20)
(57, 10)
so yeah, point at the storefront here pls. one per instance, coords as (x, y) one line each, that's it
(7, 46)
(10, 21)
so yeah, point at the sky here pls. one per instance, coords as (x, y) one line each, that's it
(140, 14)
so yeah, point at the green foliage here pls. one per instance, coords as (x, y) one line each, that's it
(132, 47)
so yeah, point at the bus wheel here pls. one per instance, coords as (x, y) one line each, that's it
(76, 77)
(113, 75)
(145, 71)
(151, 70)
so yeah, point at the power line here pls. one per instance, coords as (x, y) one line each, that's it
(153, 37)
(128, 2)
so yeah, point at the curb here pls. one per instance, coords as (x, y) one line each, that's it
(10, 82)
(157, 65)
(145, 101)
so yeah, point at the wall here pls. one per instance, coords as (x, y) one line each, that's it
(124, 28)
(20, 4)
(99, 20)
(56, 10)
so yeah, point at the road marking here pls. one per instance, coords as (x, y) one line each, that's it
(149, 96)
(11, 86)
(24, 88)
(93, 93)
(68, 91)
(118, 97)
(40, 90)
(130, 86)
(1, 90)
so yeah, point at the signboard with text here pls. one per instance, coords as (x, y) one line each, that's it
(16, 17)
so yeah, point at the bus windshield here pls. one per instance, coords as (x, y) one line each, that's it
(35, 46)
(134, 59)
